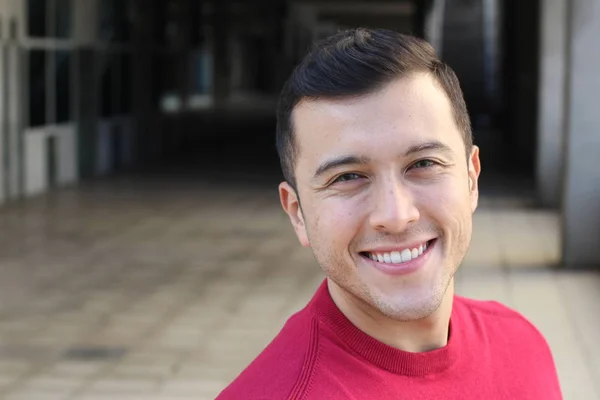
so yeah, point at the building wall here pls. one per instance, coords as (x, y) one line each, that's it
(581, 194)
(84, 85)
(11, 110)
(552, 101)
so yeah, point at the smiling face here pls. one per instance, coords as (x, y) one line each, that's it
(387, 194)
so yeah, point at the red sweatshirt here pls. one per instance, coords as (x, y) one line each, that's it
(493, 353)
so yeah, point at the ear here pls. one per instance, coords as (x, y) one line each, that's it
(474, 171)
(291, 205)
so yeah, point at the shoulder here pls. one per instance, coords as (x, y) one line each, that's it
(283, 368)
(492, 309)
(494, 312)
(515, 347)
(503, 322)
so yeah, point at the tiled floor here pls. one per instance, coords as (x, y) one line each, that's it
(165, 288)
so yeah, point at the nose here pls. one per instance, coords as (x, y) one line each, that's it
(394, 209)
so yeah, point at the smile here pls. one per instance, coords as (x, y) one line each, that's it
(399, 256)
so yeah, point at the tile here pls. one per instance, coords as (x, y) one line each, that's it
(115, 385)
(188, 278)
(112, 396)
(192, 386)
(8, 380)
(580, 292)
(53, 386)
(154, 371)
(15, 367)
(37, 394)
(76, 369)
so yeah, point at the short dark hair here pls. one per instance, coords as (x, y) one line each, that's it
(358, 62)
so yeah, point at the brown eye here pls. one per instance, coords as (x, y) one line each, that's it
(347, 177)
(424, 164)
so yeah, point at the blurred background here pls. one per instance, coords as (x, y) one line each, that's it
(143, 251)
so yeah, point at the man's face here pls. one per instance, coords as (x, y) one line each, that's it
(387, 194)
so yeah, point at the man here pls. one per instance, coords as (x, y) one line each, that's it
(381, 183)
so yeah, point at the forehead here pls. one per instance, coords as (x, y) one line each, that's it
(403, 113)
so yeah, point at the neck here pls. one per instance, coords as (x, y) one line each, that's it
(425, 334)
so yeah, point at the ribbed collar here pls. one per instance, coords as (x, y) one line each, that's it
(380, 354)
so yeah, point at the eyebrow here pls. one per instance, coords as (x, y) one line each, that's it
(433, 145)
(341, 161)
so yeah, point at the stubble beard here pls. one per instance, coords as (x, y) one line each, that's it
(404, 305)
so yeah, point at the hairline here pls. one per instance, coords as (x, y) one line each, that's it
(295, 149)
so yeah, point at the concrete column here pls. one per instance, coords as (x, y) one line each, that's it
(434, 25)
(581, 197)
(85, 22)
(551, 98)
(15, 111)
(4, 171)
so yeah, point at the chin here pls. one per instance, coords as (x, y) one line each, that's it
(410, 305)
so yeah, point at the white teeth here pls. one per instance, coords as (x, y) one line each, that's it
(398, 257)
(406, 255)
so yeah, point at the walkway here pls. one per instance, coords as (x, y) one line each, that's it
(164, 288)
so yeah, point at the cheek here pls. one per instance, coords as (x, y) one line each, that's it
(337, 219)
(446, 202)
